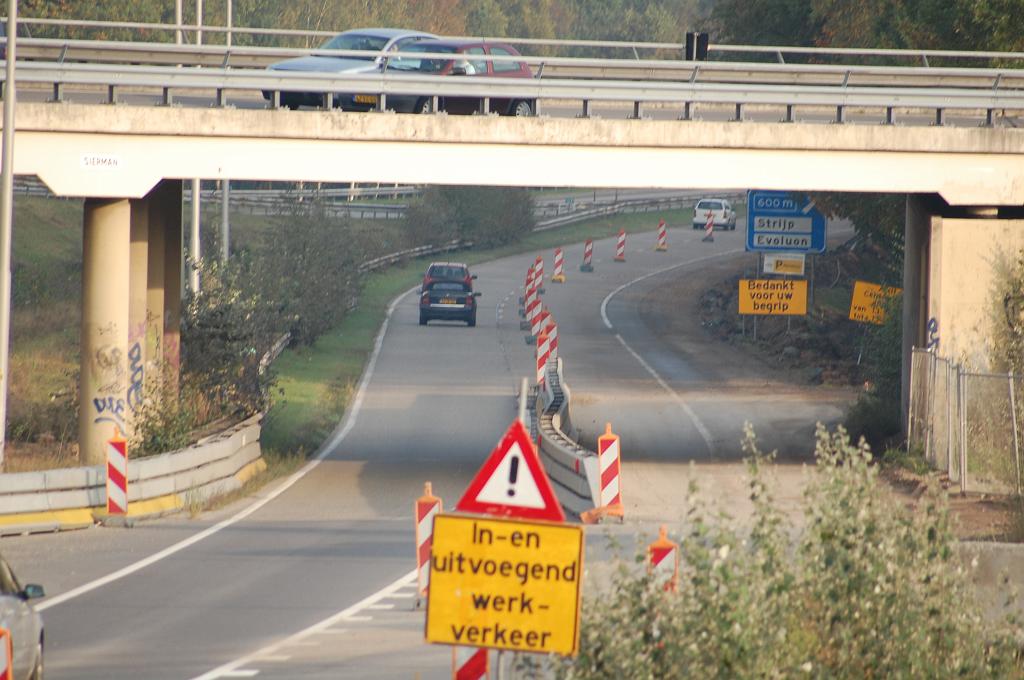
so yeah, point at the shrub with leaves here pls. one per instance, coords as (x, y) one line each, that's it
(865, 590)
(487, 216)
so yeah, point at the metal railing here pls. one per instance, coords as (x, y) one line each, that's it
(778, 53)
(161, 81)
(967, 423)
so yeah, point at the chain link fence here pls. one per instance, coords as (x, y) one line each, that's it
(967, 424)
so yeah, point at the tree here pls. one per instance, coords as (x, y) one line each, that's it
(486, 18)
(764, 22)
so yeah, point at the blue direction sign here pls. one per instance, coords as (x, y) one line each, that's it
(779, 220)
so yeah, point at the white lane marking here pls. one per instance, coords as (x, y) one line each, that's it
(705, 434)
(604, 303)
(348, 422)
(382, 606)
(317, 628)
(401, 595)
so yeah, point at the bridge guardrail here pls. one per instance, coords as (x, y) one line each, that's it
(163, 80)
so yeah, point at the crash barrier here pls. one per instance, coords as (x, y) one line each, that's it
(424, 510)
(573, 470)
(663, 561)
(75, 497)
(967, 424)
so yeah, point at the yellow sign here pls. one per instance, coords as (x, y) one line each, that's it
(773, 296)
(868, 302)
(784, 263)
(505, 584)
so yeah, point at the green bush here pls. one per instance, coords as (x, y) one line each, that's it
(865, 590)
(487, 216)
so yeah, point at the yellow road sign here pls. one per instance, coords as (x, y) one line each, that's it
(773, 296)
(868, 302)
(505, 584)
(784, 263)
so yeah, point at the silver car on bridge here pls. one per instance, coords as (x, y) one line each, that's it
(361, 39)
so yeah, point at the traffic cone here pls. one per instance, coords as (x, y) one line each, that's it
(588, 256)
(610, 471)
(424, 510)
(662, 237)
(559, 275)
(663, 561)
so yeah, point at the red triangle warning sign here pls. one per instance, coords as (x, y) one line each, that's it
(512, 482)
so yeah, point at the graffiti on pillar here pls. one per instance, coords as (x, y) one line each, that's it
(109, 410)
(108, 372)
(933, 334)
(137, 373)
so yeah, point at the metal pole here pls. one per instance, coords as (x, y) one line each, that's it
(225, 220)
(199, 22)
(962, 383)
(7, 218)
(1016, 436)
(228, 13)
(177, 22)
(194, 246)
(949, 418)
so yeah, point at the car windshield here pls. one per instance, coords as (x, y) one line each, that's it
(356, 41)
(422, 65)
(449, 286)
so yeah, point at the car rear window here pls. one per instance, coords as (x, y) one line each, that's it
(709, 205)
(356, 41)
(447, 273)
(423, 65)
(449, 285)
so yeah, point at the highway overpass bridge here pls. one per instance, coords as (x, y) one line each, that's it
(965, 182)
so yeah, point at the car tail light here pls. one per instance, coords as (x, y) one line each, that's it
(425, 298)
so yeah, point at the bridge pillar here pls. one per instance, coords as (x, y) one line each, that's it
(131, 311)
(163, 334)
(916, 238)
(103, 383)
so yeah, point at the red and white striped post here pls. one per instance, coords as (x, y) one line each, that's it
(662, 236)
(543, 353)
(588, 256)
(709, 228)
(620, 247)
(6, 655)
(117, 475)
(536, 320)
(531, 298)
(538, 272)
(663, 561)
(526, 286)
(470, 663)
(424, 509)
(609, 462)
(551, 328)
(559, 275)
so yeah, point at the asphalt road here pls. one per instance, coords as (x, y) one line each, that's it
(315, 583)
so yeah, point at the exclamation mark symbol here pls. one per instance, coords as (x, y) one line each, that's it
(513, 472)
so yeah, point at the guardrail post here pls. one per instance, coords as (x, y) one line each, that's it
(789, 114)
(739, 113)
(686, 112)
(940, 117)
(961, 380)
(840, 114)
(889, 119)
(586, 109)
(988, 117)
(58, 92)
(1016, 434)
(111, 94)
(636, 110)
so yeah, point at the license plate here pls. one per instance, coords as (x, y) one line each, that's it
(366, 99)
(447, 301)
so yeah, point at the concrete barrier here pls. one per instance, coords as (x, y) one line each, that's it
(70, 498)
(572, 468)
